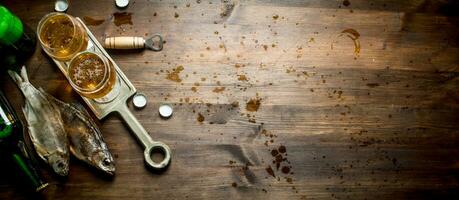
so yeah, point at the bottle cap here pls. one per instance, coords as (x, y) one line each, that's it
(122, 3)
(139, 100)
(165, 110)
(61, 5)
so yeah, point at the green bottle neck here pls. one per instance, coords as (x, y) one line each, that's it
(34, 181)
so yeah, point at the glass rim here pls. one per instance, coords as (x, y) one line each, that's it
(46, 18)
(105, 79)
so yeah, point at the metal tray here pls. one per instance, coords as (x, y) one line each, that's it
(126, 90)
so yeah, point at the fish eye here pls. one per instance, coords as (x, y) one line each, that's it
(60, 165)
(106, 162)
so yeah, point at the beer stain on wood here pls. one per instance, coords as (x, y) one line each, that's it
(331, 124)
(120, 18)
(242, 77)
(218, 89)
(253, 104)
(174, 75)
(92, 21)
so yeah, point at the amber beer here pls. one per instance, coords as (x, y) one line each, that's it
(92, 75)
(61, 36)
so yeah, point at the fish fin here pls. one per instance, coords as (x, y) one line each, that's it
(51, 97)
(16, 78)
(77, 154)
(81, 108)
(62, 106)
(41, 89)
(86, 114)
(24, 76)
(78, 106)
(41, 152)
(25, 110)
(43, 92)
(55, 103)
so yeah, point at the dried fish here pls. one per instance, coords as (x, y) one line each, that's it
(86, 141)
(46, 129)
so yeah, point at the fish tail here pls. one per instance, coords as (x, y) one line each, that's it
(24, 76)
(19, 79)
(16, 78)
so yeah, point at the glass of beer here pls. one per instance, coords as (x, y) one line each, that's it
(93, 76)
(61, 36)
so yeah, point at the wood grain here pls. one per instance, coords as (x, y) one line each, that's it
(382, 123)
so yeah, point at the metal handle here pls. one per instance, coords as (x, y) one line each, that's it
(143, 136)
(124, 43)
(149, 43)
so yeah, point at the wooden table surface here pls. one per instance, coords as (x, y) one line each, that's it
(359, 98)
